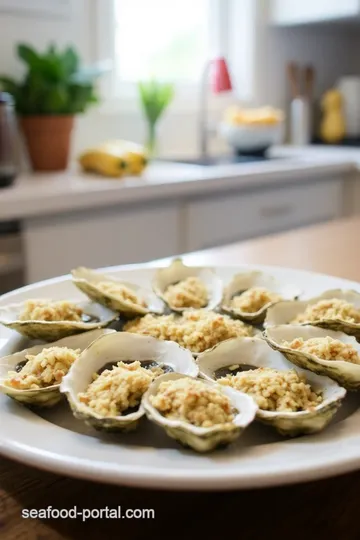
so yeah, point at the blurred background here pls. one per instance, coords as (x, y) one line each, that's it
(137, 129)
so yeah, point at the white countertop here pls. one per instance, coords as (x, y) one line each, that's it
(41, 194)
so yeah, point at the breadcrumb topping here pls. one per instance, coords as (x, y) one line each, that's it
(325, 348)
(43, 369)
(121, 292)
(188, 293)
(193, 401)
(117, 389)
(42, 310)
(254, 299)
(196, 330)
(157, 370)
(333, 308)
(275, 390)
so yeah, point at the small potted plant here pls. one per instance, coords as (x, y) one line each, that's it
(155, 96)
(52, 91)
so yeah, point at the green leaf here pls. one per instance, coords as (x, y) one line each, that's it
(9, 85)
(80, 96)
(70, 61)
(56, 100)
(51, 49)
(28, 55)
(53, 83)
(33, 93)
(155, 98)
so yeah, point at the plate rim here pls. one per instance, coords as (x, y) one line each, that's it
(177, 482)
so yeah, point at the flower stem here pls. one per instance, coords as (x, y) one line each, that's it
(151, 139)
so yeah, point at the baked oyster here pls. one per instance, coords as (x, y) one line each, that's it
(250, 365)
(105, 385)
(126, 298)
(250, 294)
(31, 389)
(320, 350)
(335, 309)
(50, 320)
(196, 330)
(184, 287)
(180, 419)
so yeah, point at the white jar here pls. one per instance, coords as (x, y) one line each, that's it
(350, 90)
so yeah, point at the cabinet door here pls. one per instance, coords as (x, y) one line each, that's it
(289, 12)
(237, 216)
(96, 238)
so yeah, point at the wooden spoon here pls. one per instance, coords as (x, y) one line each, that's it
(293, 76)
(309, 76)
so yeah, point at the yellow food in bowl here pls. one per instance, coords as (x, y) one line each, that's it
(237, 116)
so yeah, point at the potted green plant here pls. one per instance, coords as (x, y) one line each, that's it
(155, 97)
(52, 91)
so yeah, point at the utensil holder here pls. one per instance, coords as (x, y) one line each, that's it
(300, 131)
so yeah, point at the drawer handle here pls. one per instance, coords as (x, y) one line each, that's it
(275, 211)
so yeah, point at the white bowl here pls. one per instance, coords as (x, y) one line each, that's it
(247, 137)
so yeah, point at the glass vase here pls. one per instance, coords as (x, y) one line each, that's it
(151, 141)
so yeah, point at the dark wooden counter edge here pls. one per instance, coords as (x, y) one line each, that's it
(323, 509)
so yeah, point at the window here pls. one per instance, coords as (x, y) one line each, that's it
(164, 38)
(172, 40)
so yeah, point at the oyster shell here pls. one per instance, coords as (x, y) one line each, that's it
(255, 352)
(87, 281)
(50, 395)
(178, 271)
(199, 438)
(54, 330)
(285, 312)
(114, 348)
(345, 373)
(246, 280)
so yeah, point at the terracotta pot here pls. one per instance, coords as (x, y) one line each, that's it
(48, 141)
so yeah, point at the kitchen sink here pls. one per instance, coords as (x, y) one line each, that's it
(221, 160)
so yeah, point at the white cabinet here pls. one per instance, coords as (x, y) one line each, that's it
(117, 235)
(236, 216)
(124, 234)
(296, 12)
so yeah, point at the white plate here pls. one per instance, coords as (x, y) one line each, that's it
(57, 442)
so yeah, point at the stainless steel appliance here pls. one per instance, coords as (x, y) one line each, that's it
(12, 273)
(8, 168)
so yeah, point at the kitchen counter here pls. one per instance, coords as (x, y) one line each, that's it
(49, 193)
(79, 219)
(327, 248)
(320, 152)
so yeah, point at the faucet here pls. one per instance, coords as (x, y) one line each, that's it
(220, 80)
